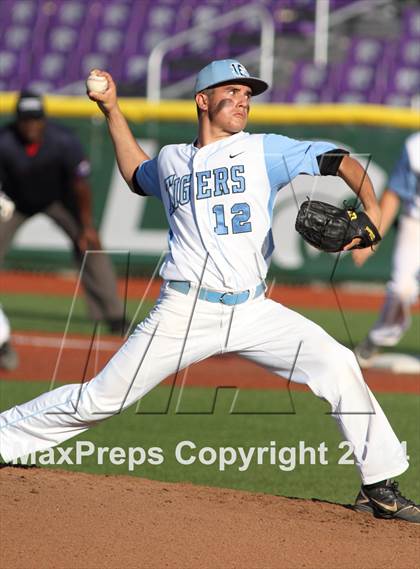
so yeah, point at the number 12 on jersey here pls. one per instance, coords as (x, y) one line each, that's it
(240, 224)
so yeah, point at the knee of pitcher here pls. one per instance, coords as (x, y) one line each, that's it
(340, 364)
(93, 410)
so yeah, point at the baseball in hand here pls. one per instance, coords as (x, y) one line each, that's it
(96, 83)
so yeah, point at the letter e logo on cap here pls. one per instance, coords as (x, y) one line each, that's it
(239, 70)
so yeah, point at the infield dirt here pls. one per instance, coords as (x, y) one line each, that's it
(61, 520)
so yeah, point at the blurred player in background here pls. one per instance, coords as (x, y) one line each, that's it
(43, 169)
(402, 290)
(8, 356)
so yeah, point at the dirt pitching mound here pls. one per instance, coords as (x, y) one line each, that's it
(56, 520)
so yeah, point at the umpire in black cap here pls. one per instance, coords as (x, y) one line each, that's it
(44, 169)
(29, 106)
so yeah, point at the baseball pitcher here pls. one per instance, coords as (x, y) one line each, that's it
(218, 193)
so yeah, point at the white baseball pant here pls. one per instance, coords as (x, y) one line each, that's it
(403, 288)
(261, 330)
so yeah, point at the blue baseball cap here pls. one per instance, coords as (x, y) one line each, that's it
(227, 71)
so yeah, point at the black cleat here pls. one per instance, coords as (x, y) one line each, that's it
(365, 351)
(118, 326)
(387, 502)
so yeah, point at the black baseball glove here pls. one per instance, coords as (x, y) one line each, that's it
(331, 228)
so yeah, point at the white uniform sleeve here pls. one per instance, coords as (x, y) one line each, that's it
(286, 158)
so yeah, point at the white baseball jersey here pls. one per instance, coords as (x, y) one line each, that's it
(219, 202)
(405, 178)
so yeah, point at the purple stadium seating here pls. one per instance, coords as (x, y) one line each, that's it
(17, 38)
(366, 51)
(52, 44)
(405, 80)
(71, 13)
(309, 83)
(8, 64)
(357, 78)
(408, 52)
(395, 99)
(411, 27)
(351, 97)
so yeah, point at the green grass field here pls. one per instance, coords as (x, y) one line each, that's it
(148, 426)
(310, 424)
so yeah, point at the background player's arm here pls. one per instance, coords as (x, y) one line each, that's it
(128, 153)
(389, 204)
(76, 169)
(88, 237)
(357, 179)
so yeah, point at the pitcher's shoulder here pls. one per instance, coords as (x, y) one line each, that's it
(173, 150)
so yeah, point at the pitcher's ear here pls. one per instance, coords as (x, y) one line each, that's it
(202, 101)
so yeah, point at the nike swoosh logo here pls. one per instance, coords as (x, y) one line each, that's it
(235, 155)
(386, 507)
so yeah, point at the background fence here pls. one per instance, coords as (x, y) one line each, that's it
(129, 223)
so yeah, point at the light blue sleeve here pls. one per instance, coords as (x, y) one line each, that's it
(403, 181)
(147, 179)
(286, 158)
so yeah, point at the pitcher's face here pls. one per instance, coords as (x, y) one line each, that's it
(228, 106)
